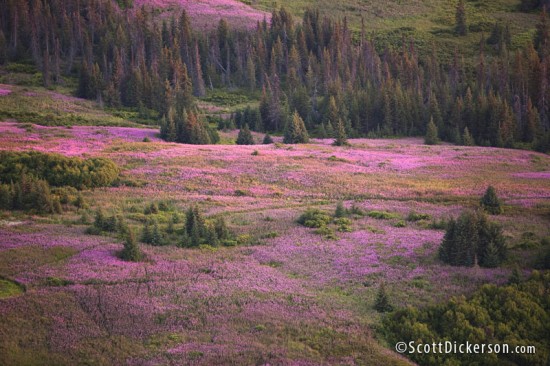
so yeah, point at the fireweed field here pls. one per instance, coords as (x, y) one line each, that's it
(289, 183)
(284, 294)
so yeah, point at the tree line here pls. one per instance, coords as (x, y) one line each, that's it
(331, 77)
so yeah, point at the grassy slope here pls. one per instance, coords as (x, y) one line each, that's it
(426, 20)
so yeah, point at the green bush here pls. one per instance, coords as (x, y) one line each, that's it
(515, 314)
(58, 170)
(314, 218)
(382, 215)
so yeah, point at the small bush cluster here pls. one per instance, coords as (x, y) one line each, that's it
(58, 170)
(320, 220)
(382, 215)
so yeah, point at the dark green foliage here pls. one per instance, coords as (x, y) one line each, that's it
(106, 223)
(490, 202)
(29, 194)
(131, 251)
(245, 136)
(461, 28)
(317, 69)
(515, 315)
(471, 240)
(314, 218)
(340, 138)
(58, 170)
(267, 139)
(340, 210)
(295, 131)
(515, 277)
(210, 232)
(382, 302)
(467, 139)
(415, 216)
(432, 136)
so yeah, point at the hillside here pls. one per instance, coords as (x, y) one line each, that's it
(179, 186)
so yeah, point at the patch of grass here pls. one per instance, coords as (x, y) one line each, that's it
(14, 260)
(9, 288)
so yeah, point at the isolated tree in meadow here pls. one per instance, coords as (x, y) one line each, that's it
(490, 202)
(431, 137)
(382, 302)
(295, 130)
(245, 136)
(340, 210)
(461, 28)
(340, 138)
(131, 251)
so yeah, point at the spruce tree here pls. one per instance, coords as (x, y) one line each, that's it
(146, 234)
(245, 136)
(340, 138)
(490, 202)
(431, 137)
(131, 251)
(295, 130)
(340, 210)
(382, 302)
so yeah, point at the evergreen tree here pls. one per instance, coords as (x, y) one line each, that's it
(245, 136)
(221, 228)
(146, 234)
(431, 137)
(461, 28)
(267, 139)
(156, 235)
(340, 210)
(340, 138)
(472, 240)
(382, 302)
(295, 131)
(467, 139)
(131, 251)
(490, 202)
(515, 277)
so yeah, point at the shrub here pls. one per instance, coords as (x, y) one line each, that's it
(267, 139)
(415, 216)
(57, 170)
(382, 215)
(314, 218)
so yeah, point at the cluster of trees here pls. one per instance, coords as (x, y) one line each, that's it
(57, 170)
(29, 194)
(186, 128)
(516, 314)
(318, 69)
(473, 240)
(199, 231)
(194, 231)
